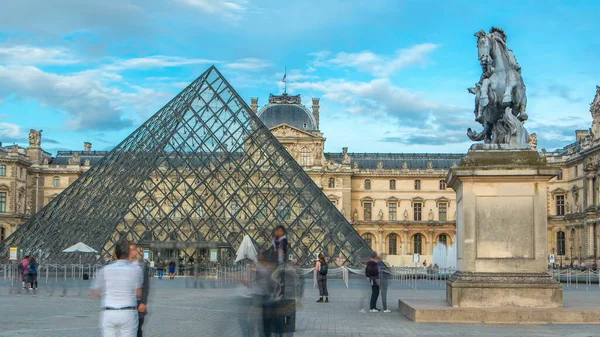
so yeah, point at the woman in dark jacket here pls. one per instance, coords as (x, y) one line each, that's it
(321, 269)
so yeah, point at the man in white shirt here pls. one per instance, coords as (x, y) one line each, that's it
(119, 284)
(144, 270)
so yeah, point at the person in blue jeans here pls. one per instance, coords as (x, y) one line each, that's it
(160, 268)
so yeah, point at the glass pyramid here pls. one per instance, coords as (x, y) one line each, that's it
(203, 169)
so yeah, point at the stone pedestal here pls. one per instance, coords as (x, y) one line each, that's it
(501, 231)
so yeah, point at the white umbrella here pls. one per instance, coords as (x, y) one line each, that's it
(246, 250)
(80, 247)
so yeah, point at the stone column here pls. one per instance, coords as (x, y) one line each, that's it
(502, 231)
(405, 242)
(589, 192)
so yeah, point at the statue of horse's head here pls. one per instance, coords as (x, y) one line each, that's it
(484, 48)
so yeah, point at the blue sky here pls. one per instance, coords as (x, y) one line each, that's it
(392, 75)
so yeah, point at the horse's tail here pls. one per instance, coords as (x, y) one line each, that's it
(476, 136)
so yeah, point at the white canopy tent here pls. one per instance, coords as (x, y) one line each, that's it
(246, 250)
(80, 248)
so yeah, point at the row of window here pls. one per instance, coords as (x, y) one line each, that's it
(21, 171)
(442, 184)
(393, 242)
(417, 211)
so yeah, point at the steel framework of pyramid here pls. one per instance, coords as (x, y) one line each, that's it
(204, 168)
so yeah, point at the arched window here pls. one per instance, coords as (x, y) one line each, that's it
(392, 184)
(560, 243)
(2, 233)
(368, 237)
(331, 183)
(443, 239)
(56, 181)
(367, 184)
(417, 184)
(2, 170)
(305, 156)
(442, 184)
(418, 244)
(392, 244)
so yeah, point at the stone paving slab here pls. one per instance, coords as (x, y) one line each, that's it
(180, 311)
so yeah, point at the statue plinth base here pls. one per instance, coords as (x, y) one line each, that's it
(502, 231)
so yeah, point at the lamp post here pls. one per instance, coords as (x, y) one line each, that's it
(571, 249)
(580, 256)
(595, 264)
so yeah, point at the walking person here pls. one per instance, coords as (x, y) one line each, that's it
(372, 273)
(172, 270)
(160, 267)
(119, 285)
(384, 277)
(321, 269)
(33, 274)
(280, 244)
(144, 270)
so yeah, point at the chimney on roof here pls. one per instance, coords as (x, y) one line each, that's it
(87, 146)
(315, 110)
(254, 104)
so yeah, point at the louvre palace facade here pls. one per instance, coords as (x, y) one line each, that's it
(399, 203)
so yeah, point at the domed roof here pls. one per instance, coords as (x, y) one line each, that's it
(287, 109)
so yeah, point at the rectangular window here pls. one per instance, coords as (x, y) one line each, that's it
(367, 211)
(443, 211)
(442, 184)
(2, 170)
(417, 184)
(560, 205)
(2, 202)
(560, 175)
(576, 171)
(393, 207)
(392, 184)
(417, 206)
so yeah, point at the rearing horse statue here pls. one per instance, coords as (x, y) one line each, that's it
(500, 99)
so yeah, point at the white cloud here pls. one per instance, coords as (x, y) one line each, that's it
(31, 55)
(9, 130)
(89, 103)
(375, 64)
(228, 9)
(249, 64)
(158, 61)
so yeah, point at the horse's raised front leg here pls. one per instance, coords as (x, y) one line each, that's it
(507, 98)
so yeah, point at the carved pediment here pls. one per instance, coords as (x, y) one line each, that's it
(4, 187)
(558, 191)
(286, 130)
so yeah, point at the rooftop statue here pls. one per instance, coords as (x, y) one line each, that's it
(500, 99)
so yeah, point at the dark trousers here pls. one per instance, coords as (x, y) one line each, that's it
(33, 281)
(374, 295)
(141, 317)
(322, 283)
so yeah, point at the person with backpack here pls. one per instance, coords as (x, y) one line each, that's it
(23, 270)
(372, 273)
(321, 268)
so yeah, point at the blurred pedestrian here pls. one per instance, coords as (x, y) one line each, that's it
(160, 267)
(372, 273)
(144, 270)
(384, 277)
(280, 244)
(33, 274)
(23, 270)
(322, 268)
(119, 285)
(172, 270)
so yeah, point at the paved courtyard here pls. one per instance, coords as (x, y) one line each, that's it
(178, 310)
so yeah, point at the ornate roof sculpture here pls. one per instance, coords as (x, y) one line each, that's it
(203, 169)
(399, 160)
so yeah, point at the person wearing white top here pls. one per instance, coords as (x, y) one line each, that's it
(119, 285)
